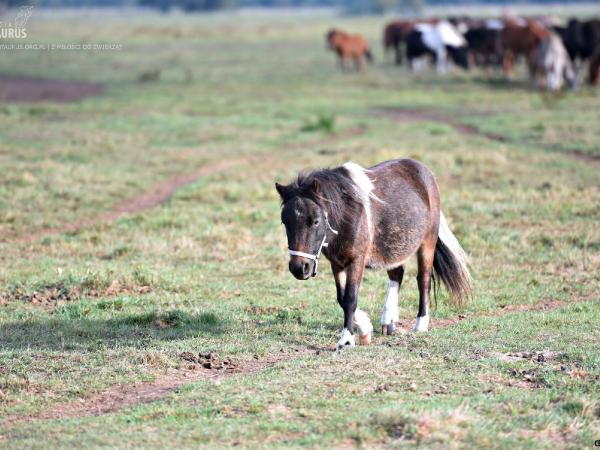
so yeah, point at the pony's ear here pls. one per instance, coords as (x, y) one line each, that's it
(282, 190)
(316, 186)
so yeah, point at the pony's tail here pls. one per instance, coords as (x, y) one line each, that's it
(369, 56)
(451, 265)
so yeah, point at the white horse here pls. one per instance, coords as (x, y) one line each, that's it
(554, 65)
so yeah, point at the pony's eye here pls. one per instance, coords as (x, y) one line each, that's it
(316, 222)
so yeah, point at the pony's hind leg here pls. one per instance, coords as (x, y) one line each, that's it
(425, 257)
(390, 315)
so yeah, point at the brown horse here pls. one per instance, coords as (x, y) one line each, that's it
(349, 46)
(378, 218)
(394, 34)
(521, 40)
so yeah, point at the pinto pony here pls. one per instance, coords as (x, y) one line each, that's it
(440, 40)
(376, 218)
(349, 46)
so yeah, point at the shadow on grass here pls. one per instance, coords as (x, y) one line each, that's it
(89, 334)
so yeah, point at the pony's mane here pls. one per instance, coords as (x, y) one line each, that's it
(336, 193)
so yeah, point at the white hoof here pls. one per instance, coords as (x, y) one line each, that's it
(362, 321)
(365, 327)
(389, 316)
(422, 324)
(365, 339)
(346, 339)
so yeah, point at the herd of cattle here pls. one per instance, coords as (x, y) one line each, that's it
(555, 53)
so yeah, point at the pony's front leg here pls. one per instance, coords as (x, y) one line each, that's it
(349, 300)
(342, 62)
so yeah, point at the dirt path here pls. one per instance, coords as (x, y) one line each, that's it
(34, 90)
(204, 367)
(418, 115)
(140, 202)
(123, 396)
(164, 190)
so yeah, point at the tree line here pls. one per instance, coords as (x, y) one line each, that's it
(350, 6)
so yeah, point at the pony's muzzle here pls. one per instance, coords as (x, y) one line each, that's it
(301, 268)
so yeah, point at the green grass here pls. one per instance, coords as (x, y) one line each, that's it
(207, 271)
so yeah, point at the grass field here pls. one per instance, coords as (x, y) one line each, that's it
(105, 326)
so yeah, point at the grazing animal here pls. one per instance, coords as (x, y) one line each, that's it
(349, 46)
(394, 35)
(439, 41)
(521, 40)
(377, 218)
(484, 45)
(580, 38)
(553, 65)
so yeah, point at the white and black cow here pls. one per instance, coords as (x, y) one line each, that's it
(442, 41)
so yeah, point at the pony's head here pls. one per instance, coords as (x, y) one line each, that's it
(312, 206)
(332, 38)
(306, 226)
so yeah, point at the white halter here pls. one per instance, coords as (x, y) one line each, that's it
(316, 256)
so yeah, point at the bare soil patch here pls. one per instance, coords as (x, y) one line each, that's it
(586, 158)
(34, 90)
(210, 360)
(57, 293)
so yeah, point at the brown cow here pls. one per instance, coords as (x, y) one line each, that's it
(521, 40)
(349, 46)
